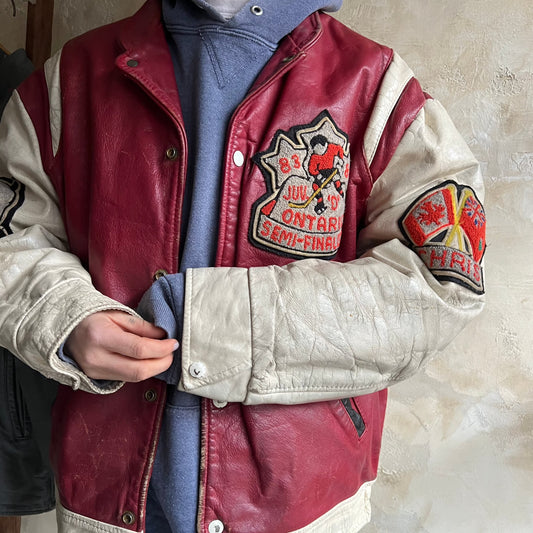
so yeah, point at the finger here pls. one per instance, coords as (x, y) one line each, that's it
(121, 368)
(136, 347)
(136, 325)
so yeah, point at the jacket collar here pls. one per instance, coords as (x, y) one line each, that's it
(291, 48)
(145, 55)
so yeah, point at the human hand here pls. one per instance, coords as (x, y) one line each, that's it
(113, 345)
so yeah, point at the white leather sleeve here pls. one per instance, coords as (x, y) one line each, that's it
(317, 330)
(44, 290)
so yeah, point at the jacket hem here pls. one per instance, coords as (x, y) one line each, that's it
(69, 522)
(348, 516)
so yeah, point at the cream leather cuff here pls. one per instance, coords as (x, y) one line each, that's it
(216, 343)
(49, 322)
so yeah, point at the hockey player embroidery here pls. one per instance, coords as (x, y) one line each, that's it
(11, 198)
(306, 171)
(446, 226)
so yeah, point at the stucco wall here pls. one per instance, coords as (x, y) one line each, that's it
(458, 444)
(12, 28)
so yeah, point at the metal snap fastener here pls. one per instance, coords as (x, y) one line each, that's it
(216, 526)
(257, 10)
(171, 153)
(150, 395)
(197, 370)
(132, 63)
(238, 158)
(288, 59)
(159, 274)
(219, 405)
(128, 518)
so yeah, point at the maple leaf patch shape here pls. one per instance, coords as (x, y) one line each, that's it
(431, 213)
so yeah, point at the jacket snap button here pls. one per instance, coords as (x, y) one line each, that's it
(216, 526)
(197, 370)
(219, 405)
(288, 59)
(171, 153)
(132, 63)
(128, 518)
(238, 158)
(150, 395)
(159, 274)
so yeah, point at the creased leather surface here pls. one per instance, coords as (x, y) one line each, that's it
(388, 314)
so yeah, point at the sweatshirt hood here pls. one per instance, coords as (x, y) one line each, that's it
(269, 19)
(229, 8)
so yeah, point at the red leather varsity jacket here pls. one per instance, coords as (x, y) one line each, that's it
(294, 445)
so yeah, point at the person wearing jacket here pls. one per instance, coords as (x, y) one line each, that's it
(171, 152)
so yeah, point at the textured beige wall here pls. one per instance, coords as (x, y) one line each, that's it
(458, 443)
(12, 28)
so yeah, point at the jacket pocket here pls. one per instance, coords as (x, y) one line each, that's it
(355, 415)
(14, 400)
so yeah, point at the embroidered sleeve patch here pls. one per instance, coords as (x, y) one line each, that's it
(446, 227)
(306, 172)
(11, 198)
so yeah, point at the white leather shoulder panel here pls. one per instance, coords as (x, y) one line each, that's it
(394, 82)
(51, 72)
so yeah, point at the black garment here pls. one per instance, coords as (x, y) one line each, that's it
(14, 69)
(26, 481)
(26, 397)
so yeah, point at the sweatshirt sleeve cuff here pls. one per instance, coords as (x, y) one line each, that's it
(163, 305)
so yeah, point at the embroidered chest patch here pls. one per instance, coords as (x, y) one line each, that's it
(11, 198)
(446, 226)
(306, 172)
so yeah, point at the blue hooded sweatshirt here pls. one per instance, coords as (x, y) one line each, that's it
(218, 48)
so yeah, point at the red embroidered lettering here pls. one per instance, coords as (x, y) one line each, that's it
(287, 216)
(321, 224)
(299, 219)
(477, 272)
(265, 232)
(435, 257)
(294, 240)
(275, 233)
(284, 165)
(333, 202)
(458, 258)
(285, 236)
(318, 243)
(311, 219)
(296, 193)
